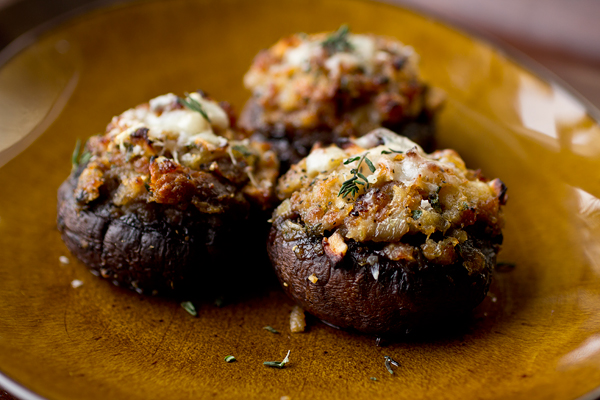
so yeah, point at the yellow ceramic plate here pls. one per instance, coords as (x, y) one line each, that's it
(536, 335)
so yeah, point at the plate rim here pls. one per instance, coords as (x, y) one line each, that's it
(506, 50)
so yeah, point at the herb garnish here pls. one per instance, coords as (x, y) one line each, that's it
(75, 156)
(390, 151)
(230, 359)
(416, 214)
(389, 361)
(338, 41)
(373, 378)
(351, 185)
(243, 150)
(505, 266)
(277, 364)
(270, 329)
(189, 307)
(76, 159)
(434, 200)
(193, 105)
(219, 301)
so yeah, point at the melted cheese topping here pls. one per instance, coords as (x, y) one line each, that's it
(299, 80)
(408, 191)
(163, 121)
(175, 134)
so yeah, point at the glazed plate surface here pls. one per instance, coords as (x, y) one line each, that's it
(537, 334)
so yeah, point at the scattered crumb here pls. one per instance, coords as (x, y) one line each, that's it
(494, 299)
(297, 320)
(63, 260)
(313, 278)
(285, 284)
(76, 283)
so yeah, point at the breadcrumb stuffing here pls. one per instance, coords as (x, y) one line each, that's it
(401, 190)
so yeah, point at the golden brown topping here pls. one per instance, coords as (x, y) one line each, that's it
(344, 81)
(382, 187)
(174, 150)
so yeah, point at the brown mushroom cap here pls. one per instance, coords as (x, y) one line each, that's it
(160, 200)
(386, 297)
(379, 236)
(147, 247)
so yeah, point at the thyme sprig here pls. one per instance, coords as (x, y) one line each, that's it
(416, 214)
(338, 41)
(230, 359)
(350, 187)
(270, 329)
(278, 364)
(193, 105)
(434, 200)
(389, 361)
(77, 159)
(189, 307)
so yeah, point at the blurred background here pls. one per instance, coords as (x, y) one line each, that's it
(563, 36)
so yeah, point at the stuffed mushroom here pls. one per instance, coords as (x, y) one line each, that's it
(322, 87)
(379, 236)
(169, 187)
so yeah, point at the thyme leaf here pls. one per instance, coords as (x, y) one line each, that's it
(85, 158)
(370, 165)
(416, 214)
(189, 307)
(75, 156)
(351, 160)
(193, 105)
(388, 365)
(350, 187)
(434, 200)
(278, 364)
(230, 359)
(505, 266)
(219, 301)
(390, 151)
(361, 176)
(243, 150)
(270, 329)
(338, 41)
